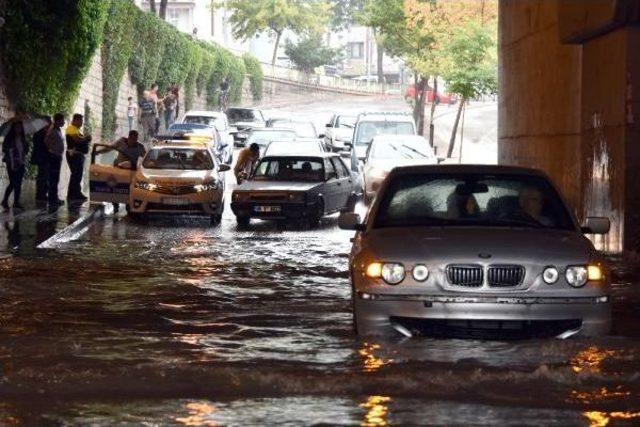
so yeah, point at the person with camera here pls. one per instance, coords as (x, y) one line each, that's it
(77, 148)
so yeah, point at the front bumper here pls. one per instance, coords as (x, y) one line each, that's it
(287, 210)
(204, 203)
(377, 313)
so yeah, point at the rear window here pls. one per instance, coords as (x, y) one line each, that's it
(472, 200)
(290, 169)
(203, 120)
(367, 130)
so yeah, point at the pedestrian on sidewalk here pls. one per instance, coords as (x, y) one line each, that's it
(14, 153)
(132, 112)
(148, 111)
(77, 148)
(175, 89)
(56, 148)
(153, 94)
(169, 102)
(40, 158)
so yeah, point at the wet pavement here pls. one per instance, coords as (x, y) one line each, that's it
(175, 322)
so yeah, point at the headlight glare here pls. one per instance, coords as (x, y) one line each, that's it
(594, 273)
(393, 273)
(550, 275)
(374, 270)
(577, 275)
(144, 185)
(205, 187)
(420, 272)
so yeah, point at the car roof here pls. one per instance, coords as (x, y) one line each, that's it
(204, 113)
(471, 169)
(180, 144)
(315, 155)
(273, 130)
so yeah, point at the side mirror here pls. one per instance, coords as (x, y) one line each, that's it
(441, 159)
(329, 125)
(125, 165)
(350, 221)
(224, 168)
(322, 135)
(348, 144)
(596, 225)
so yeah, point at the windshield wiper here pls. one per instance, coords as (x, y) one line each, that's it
(516, 223)
(415, 151)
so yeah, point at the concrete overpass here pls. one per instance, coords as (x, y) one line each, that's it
(570, 103)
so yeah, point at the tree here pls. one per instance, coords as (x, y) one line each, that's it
(163, 9)
(471, 68)
(250, 18)
(344, 13)
(310, 52)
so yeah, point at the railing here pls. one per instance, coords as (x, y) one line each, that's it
(324, 81)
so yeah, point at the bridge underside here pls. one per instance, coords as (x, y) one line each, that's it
(570, 102)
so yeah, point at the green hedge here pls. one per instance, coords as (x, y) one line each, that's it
(256, 77)
(47, 47)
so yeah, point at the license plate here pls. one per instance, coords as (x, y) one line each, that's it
(267, 209)
(175, 201)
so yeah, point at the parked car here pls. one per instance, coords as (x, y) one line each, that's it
(264, 137)
(339, 131)
(389, 151)
(245, 120)
(368, 125)
(302, 129)
(465, 250)
(173, 178)
(297, 146)
(430, 95)
(203, 133)
(295, 187)
(216, 119)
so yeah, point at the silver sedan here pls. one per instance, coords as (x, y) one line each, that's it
(476, 250)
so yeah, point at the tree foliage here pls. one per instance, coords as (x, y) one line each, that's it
(46, 49)
(250, 18)
(344, 13)
(310, 52)
(254, 71)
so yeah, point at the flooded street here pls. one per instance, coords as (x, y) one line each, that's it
(175, 322)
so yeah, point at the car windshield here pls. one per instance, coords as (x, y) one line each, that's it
(178, 158)
(186, 127)
(203, 120)
(241, 115)
(367, 130)
(289, 169)
(265, 136)
(472, 200)
(410, 149)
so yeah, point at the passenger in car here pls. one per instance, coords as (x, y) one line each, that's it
(532, 203)
(460, 206)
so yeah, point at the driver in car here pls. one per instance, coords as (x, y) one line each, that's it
(532, 203)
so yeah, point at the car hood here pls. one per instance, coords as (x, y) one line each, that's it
(174, 177)
(445, 245)
(277, 186)
(388, 164)
(248, 125)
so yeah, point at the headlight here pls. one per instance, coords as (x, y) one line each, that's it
(420, 273)
(393, 273)
(550, 275)
(594, 273)
(206, 187)
(296, 197)
(144, 185)
(239, 196)
(577, 275)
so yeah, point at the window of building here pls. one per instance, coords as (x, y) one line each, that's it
(356, 50)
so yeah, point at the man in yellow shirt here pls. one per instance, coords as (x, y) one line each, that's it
(77, 148)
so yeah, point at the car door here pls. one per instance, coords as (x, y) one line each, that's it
(344, 183)
(332, 185)
(108, 183)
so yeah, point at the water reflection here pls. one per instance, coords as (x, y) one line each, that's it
(371, 362)
(377, 410)
(599, 394)
(590, 359)
(601, 419)
(200, 414)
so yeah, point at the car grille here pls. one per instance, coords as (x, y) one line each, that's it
(505, 275)
(465, 275)
(183, 189)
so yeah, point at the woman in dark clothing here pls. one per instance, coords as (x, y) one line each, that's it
(14, 153)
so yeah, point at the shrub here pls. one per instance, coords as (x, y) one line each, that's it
(254, 72)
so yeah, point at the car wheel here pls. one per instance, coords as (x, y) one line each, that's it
(367, 199)
(243, 221)
(316, 216)
(351, 203)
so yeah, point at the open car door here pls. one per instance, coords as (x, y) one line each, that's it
(109, 183)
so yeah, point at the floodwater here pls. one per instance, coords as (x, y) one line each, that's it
(179, 323)
(175, 322)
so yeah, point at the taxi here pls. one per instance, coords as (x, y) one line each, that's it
(174, 177)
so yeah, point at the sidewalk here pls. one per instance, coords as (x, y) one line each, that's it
(22, 231)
